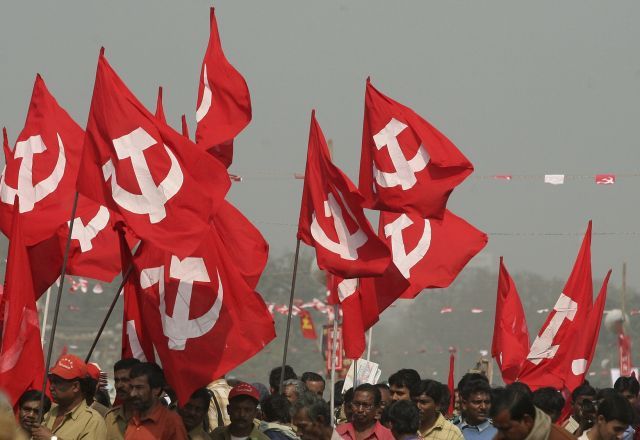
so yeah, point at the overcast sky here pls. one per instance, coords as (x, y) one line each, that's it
(522, 88)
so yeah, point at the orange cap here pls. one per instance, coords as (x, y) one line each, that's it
(69, 367)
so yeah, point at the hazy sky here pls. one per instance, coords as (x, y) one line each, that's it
(522, 88)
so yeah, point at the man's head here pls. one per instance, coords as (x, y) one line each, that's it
(346, 403)
(427, 396)
(550, 401)
(445, 400)
(513, 413)
(629, 387)
(403, 418)
(276, 408)
(243, 408)
(66, 379)
(293, 388)
(401, 382)
(121, 378)
(385, 395)
(314, 382)
(146, 386)
(613, 416)
(28, 406)
(276, 373)
(195, 410)
(582, 402)
(312, 417)
(475, 401)
(365, 405)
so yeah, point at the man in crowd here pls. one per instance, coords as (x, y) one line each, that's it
(118, 417)
(427, 396)
(582, 410)
(194, 412)
(404, 420)
(516, 418)
(629, 387)
(613, 417)
(242, 409)
(151, 419)
(549, 400)
(91, 389)
(314, 382)
(28, 408)
(276, 416)
(292, 388)
(363, 424)
(401, 382)
(312, 418)
(71, 418)
(274, 378)
(385, 395)
(475, 404)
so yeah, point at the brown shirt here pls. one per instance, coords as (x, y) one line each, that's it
(81, 422)
(116, 422)
(199, 433)
(160, 424)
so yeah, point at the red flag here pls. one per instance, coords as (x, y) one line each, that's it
(331, 217)
(586, 342)
(21, 359)
(624, 348)
(199, 314)
(451, 382)
(406, 164)
(429, 253)
(42, 168)
(224, 104)
(605, 179)
(510, 344)
(306, 325)
(185, 127)
(551, 351)
(142, 169)
(160, 107)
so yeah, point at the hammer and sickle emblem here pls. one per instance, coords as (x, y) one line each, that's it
(405, 261)
(86, 233)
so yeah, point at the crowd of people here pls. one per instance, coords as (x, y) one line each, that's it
(405, 407)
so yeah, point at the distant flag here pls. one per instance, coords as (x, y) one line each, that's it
(502, 177)
(477, 311)
(446, 310)
(605, 179)
(554, 179)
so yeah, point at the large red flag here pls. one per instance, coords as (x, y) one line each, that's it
(42, 168)
(224, 104)
(21, 359)
(552, 350)
(510, 344)
(429, 253)
(406, 164)
(332, 219)
(156, 179)
(199, 314)
(587, 339)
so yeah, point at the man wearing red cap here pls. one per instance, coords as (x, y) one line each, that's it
(71, 419)
(243, 409)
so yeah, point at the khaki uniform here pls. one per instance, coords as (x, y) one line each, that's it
(222, 433)
(81, 422)
(199, 434)
(116, 422)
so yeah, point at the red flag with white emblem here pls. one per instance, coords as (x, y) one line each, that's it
(224, 104)
(552, 350)
(199, 314)
(41, 169)
(406, 164)
(139, 167)
(21, 359)
(510, 344)
(332, 219)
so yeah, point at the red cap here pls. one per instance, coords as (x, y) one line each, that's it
(69, 367)
(93, 370)
(244, 389)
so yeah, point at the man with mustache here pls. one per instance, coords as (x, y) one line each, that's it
(28, 407)
(475, 403)
(118, 417)
(363, 424)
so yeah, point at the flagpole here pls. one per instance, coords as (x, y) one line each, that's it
(369, 339)
(108, 315)
(57, 306)
(334, 351)
(286, 338)
(43, 327)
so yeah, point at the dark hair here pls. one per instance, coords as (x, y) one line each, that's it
(627, 383)
(404, 416)
(274, 376)
(153, 372)
(276, 408)
(429, 387)
(382, 386)
(548, 399)
(88, 385)
(445, 400)
(583, 390)
(468, 377)
(125, 364)
(315, 406)
(204, 394)
(310, 376)
(513, 400)
(33, 395)
(368, 388)
(347, 397)
(473, 387)
(616, 407)
(406, 377)
(337, 392)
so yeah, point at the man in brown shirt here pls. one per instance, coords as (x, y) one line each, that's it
(151, 419)
(118, 417)
(194, 412)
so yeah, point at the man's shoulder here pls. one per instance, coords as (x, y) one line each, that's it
(221, 432)
(560, 433)
(343, 428)
(114, 411)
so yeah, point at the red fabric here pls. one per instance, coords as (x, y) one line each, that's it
(54, 167)
(307, 326)
(205, 325)
(21, 358)
(185, 127)
(332, 219)
(587, 339)
(624, 350)
(195, 182)
(429, 253)
(510, 344)
(551, 351)
(224, 104)
(160, 107)
(451, 383)
(423, 189)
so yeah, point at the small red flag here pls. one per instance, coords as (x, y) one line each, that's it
(605, 179)
(307, 326)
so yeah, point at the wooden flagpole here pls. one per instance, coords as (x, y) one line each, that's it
(286, 338)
